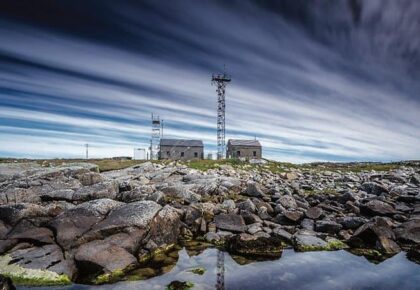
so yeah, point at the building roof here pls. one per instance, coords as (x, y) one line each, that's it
(239, 142)
(181, 143)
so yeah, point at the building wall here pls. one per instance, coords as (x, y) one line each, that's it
(175, 153)
(245, 152)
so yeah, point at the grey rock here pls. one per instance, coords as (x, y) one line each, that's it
(327, 226)
(288, 202)
(374, 188)
(105, 255)
(377, 207)
(304, 241)
(230, 222)
(253, 189)
(314, 212)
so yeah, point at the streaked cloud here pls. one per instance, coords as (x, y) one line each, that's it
(310, 85)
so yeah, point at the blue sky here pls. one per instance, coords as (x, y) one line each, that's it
(313, 80)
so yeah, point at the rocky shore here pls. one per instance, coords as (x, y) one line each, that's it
(71, 223)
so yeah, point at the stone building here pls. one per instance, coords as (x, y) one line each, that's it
(181, 149)
(248, 149)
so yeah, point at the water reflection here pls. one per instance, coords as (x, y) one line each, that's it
(311, 270)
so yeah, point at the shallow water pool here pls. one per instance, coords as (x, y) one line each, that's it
(309, 270)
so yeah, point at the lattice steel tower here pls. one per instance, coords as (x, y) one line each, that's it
(155, 138)
(220, 80)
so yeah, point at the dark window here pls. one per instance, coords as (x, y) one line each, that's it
(195, 154)
(238, 153)
(255, 153)
(168, 153)
(182, 154)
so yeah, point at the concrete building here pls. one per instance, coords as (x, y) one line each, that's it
(181, 149)
(248, 149)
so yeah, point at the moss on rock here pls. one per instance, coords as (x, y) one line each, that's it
(30, 277)
(198, 271)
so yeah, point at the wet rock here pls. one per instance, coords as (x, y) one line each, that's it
(6, 283)
(283, 235)
(414, 253)
(314, 212)
(374, 188)
(246, 244)
(230, 222)
(306, 241)
(375, 235)
(327, 226)
(409, 232)
(377, 207)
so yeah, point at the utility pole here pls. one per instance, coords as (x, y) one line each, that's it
(87, 150)
(220, 80)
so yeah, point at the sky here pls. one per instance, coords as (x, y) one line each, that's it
(312, 80)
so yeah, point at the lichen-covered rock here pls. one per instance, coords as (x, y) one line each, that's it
(374, 188)
(136, 214)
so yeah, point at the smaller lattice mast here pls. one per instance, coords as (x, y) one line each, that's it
(155, 137)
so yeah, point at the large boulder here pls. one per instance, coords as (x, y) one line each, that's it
(137, 214)
(103, 256)
(230, 222)
(47, 257)
(106, 189)
(165, 227)
(71, 226)
(375, 235)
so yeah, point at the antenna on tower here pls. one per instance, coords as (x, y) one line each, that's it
(221, 80)
(155, 137)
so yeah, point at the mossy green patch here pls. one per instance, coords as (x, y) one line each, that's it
(332, 245)
(180, 285)
(198, 271)
(30, 277)
(109, 277)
